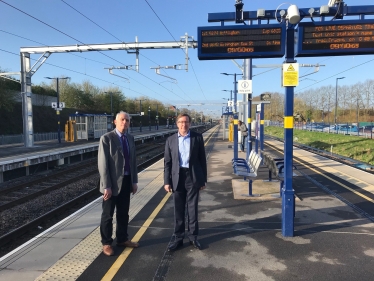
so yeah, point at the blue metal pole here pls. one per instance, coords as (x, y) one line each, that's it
(262, 116)
(58, 112)
(249, 113)
(231, 100)
(235, 121)
(176, 114)
(157, 116)
(111, 108)
(140, 115)
(256, 132)
(288, 203)
(167, 121)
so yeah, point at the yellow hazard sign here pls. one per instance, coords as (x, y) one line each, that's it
(291, 68)
(290, 75)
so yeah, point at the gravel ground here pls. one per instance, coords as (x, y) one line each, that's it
(19, 215)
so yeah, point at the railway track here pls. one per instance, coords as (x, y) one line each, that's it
(338, 158)
(14, 234)
(16, 195)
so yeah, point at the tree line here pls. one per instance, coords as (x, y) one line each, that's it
(354, 103)
(87, 98)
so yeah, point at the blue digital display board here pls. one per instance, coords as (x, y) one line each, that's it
(241, 42)
(335, 38)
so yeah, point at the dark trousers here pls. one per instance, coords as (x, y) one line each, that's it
(242, 145)
(186, 198)
(122, 204)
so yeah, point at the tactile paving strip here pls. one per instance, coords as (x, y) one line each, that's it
(72, 265)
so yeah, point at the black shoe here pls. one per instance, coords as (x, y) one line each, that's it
(196, 244)
(175, 245)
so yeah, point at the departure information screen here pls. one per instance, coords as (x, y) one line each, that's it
(243, 41)
(336, 38)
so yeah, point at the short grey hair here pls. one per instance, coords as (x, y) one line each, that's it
(122, 112)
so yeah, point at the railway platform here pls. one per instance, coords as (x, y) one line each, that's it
(241, 237)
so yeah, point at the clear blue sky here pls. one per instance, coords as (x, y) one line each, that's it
(152, 20)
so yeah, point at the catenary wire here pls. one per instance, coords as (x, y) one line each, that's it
(336, 74)
(97, 78)
(15, 35)
(85, 74)
(198, 82)
(102, 28)
(115, 36)
(91, 48)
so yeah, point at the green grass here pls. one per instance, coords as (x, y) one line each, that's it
(354, 147)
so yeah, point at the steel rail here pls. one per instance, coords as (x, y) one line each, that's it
(14, 234)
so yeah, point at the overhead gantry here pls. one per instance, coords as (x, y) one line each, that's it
(27, 71)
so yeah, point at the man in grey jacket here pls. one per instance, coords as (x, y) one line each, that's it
(118, 178)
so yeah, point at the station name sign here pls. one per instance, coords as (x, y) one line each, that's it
(243, 41)
(353, 37)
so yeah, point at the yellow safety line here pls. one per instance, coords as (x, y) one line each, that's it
(126, 252)
(211, 135)
(123, 256)
(339, 183)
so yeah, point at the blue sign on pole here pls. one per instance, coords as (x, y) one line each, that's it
(325, 38)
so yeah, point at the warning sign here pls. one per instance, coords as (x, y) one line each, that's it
(291, 68)
(290, 75)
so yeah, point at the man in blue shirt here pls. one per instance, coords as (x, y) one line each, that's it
(185, 174)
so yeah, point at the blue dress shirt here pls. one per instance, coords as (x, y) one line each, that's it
(184, 150)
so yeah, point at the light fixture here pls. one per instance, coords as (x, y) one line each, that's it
(260, 13)
(324, 9)
(293, 14)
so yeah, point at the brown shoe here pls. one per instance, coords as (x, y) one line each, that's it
(129, 244)
(108, 250)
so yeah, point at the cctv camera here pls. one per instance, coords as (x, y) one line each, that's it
(293, 14)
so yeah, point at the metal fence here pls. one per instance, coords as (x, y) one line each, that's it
(14, 139)
(366, 131)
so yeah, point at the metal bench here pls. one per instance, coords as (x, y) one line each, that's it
(239, 162)
(276, 168)
(247, 168)
(274, 164)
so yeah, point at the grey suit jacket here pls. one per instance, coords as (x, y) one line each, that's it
(197, 163)
(111, 162)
